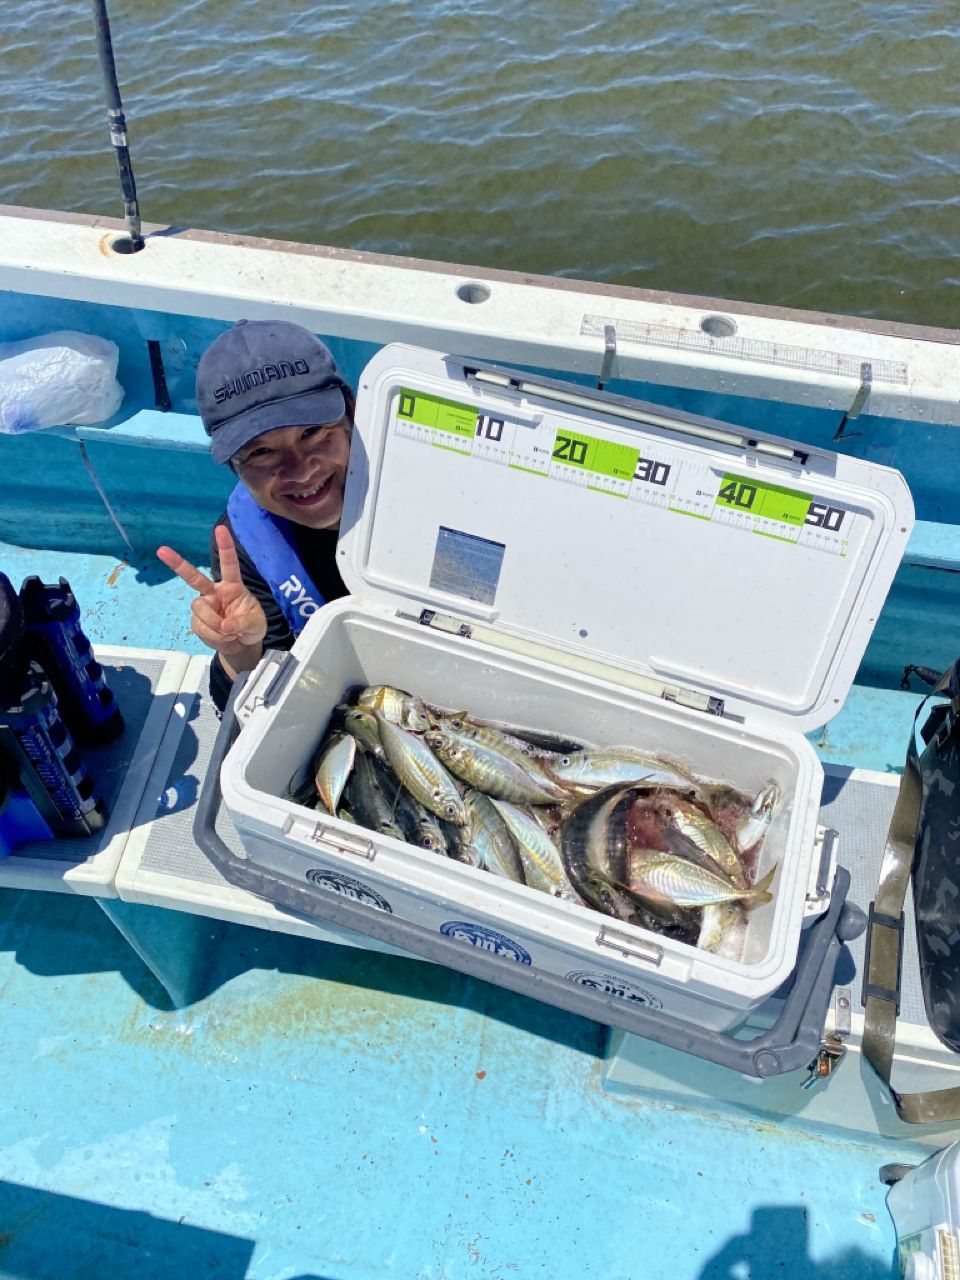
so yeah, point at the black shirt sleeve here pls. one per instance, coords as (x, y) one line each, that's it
(317, 548)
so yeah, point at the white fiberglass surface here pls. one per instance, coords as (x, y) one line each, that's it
(346, 647)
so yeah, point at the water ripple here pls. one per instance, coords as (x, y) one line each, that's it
(806, 154)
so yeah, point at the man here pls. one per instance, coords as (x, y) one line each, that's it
(279, 415)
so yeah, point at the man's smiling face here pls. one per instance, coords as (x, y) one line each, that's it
(298, 472)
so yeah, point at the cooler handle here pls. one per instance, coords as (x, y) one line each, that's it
(208, 804)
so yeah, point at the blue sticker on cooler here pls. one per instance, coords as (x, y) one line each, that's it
(484, 939)
(347, 887)
(609, 985)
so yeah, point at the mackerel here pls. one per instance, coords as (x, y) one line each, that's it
(395, 705)
(694, 824)
(723, 930)
(542, 862)
(461, 726)
(594, 848)
(421, 772)
(362, 725)
(488, 769)
(370, 805)
(753, 826)
(420, 827)
(492, 839)
(333, 768)
(665, 879)
(591, 770)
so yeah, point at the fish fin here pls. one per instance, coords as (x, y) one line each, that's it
(683, 847)
(761, 890)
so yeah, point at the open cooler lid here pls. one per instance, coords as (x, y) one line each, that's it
(656, 544)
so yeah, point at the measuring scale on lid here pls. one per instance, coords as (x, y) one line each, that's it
(742, 566)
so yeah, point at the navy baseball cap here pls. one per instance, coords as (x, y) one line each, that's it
(263, 374)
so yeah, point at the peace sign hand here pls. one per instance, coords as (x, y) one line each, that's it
(226, 615)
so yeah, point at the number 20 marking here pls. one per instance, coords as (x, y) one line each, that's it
(567, 450)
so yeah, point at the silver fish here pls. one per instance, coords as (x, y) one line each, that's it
(395, 705)
(608, 766)
(491, 839)
(421, 772)
(362, 725)
(333, 768)
(594, 839)
(419, 826)
(486, 767)
(665, 878)
(542, 864)
(461, 726)
(370, 804)
(723, 929)
(529, 741)
(753, 826)
(414, 716)
(459, 844)
(694, 824)
(429, 835)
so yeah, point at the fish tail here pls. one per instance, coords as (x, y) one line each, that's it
(760, 893)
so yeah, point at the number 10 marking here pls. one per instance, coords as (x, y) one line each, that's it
(490, 428)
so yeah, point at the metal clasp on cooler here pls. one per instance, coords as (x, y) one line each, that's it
(832, 1049)
(267, 682)
(823, 869)
(832, 1052)
(342, 842)
(628, 946)
(444, 622)
(319, 835)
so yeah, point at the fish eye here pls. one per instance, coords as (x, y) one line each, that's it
(565, 760)
(450, 810)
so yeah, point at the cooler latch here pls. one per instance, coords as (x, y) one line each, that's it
(444, 622)
(822, 871)
(832, 1047)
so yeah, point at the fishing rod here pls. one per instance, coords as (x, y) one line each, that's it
(118, 125)
(131, 207)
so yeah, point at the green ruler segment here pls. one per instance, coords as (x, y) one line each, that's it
(442, 415)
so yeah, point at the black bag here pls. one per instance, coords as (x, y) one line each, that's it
(924, 840)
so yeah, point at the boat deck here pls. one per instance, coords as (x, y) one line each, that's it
(314, 1111)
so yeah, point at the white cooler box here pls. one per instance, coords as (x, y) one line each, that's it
(563, 560)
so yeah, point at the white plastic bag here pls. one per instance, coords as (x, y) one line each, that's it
(60, 379)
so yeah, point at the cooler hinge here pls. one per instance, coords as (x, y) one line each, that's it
(692, 698)
(454, 626)
(444, 622)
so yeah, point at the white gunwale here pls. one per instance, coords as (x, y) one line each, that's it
(780, 354)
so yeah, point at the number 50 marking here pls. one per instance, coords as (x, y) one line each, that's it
(824, 517)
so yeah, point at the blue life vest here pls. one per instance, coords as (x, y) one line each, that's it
(268, 541)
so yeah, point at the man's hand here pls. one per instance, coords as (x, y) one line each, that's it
(226, 615)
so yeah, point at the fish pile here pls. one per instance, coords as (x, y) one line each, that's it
(626, 832)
